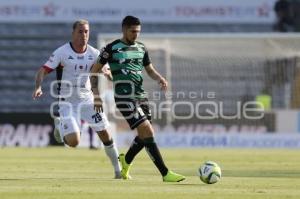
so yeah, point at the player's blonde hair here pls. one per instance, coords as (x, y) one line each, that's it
(80, 22)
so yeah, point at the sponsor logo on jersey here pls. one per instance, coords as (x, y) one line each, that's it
(80, 57)
(105, 55)
(70, 57)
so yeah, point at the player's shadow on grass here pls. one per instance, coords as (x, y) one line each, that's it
(187, 184)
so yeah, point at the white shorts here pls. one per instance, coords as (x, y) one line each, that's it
(72, 114)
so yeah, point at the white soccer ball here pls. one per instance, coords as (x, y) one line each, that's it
(210, 172)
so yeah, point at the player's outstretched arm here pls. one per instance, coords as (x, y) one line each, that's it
(156, 76)
(38, 83)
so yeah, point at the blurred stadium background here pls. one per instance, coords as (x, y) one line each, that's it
(235, 49)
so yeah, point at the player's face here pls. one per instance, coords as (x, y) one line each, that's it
(81, 34)
(131, 33)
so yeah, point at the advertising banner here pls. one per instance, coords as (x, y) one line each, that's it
(219, 140)
(36, 130)
(26, 129)
(155, 11)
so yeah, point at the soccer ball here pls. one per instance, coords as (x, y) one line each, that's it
(210, 172)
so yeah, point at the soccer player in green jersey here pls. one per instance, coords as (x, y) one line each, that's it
(127, 58)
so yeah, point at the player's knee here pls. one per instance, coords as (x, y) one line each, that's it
(72, 140)
(145, 130)
(72, 143)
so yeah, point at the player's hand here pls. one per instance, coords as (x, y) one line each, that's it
(98, 104)
(37, 93)
(163, 84)
(107, 73)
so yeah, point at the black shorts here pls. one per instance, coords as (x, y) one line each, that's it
(135, 111)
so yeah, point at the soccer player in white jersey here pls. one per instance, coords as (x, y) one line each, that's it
(76, 102)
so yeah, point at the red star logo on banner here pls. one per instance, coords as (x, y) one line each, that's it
(50, 9)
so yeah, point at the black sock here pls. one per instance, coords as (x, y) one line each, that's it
(136, 146)
(155, 155)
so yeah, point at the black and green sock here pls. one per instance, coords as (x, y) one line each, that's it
(155, 155)
(136, 146)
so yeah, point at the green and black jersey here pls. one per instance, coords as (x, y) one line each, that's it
(126, 64)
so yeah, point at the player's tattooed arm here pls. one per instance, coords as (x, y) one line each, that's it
(94, 82)
(38, 83)
(94, 79)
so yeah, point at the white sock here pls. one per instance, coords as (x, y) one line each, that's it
(112, 152)
(57, 123)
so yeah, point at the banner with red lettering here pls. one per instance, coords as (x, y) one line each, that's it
(154, 11)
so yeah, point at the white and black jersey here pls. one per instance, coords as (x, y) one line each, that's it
(74, 71)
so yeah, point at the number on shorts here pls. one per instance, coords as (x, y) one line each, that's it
(97, 117)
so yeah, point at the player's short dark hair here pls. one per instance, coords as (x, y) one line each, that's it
(130, 21)
(80, 22)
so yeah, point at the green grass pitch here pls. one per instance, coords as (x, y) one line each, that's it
(81, 173)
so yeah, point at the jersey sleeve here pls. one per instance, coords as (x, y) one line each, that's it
(146, 59)
(53, 62)
(105, 55)
(97, 55)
